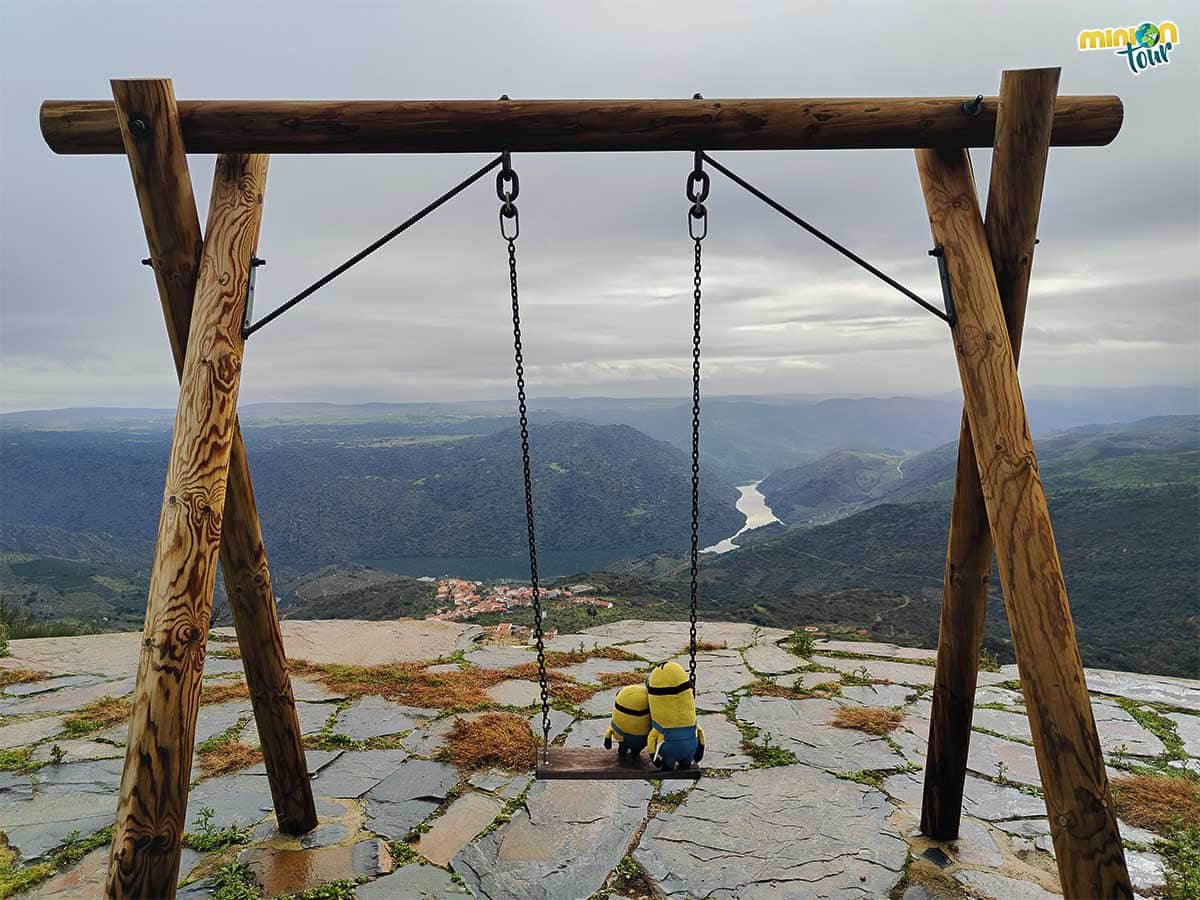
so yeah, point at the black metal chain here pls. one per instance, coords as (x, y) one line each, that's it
(508, 186)
(697, 192)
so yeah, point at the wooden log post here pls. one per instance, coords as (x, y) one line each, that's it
(168, 206)
(154, 788)
(1083, 822)
(1023, 124)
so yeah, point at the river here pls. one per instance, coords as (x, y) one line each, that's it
(753, 505)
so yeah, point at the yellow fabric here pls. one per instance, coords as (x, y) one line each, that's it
(632, 696)
(671, 710)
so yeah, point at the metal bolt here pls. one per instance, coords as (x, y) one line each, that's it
(138, 125)
(973, 107)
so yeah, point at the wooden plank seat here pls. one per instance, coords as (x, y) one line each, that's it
(593, 764)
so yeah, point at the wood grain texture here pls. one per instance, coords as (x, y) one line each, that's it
(1023, 127)
(1083, 822)
(158, 762)
(164, 190)
(479, 126)
(590, 764)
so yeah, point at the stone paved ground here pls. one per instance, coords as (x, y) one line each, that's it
(791, 807)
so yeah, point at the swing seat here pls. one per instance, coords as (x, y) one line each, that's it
(592, 764)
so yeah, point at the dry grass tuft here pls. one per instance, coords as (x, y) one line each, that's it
(620, 679)
(97, 715)
(877, 720)
(223, 691)
(764, 688)
(705, 647)
(19, 676)
(502, 740)
(1158, 802)
(410, 684)
(226, 757)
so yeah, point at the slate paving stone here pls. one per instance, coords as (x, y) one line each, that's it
(559, 722)
(988, 752)
(496, 780)
(414, 882)
(589, 672)
(515, 692)
(711, 701)
(795, 725)
(286, 871)
(374, 643)
(772, 660)
(874, 648)
(1145, 870)
(564, 643)
(216, 718)
(355, 772)
(564, 843)
(82, 881)
(999, 695)
(28, 688)
(35, 827)
(1188, 729)
(114, 656)
(22, 734)
(720, 670)
(769, 833)
(65, 700)
(1183, 693)
(313, 691)
(457, 826)
(239, 801)
(976, 846)
(600, 704)
(407, 796)
(499, 657)
(723, 741)
(981, 799)
(876, 694)
(373, 716)
(1118, 728)
(316, 761)
(77, 751)
(1001, 887)
(1011, 724)
(882, 670)
(809, 680)
(324, 836)
(313, 717)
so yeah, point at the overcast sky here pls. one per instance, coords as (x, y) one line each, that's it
(605, 259)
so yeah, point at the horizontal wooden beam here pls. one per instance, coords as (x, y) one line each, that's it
(478, 126)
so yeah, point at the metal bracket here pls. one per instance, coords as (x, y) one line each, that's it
(939, 254)
(255, 262)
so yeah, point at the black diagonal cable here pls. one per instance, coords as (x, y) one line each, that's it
(822, 236)
(367, 251)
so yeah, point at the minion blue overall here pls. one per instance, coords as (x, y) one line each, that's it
(630, 721)
(675, 738)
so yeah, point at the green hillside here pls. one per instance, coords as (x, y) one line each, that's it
(1154, 451)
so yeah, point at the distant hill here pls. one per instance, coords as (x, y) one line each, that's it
(600, 491)
(1130, 557)
(1153, 451)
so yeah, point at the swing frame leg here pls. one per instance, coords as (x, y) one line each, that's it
(164, 190)
(152, 808)
(1083, 823)
(1023, 124)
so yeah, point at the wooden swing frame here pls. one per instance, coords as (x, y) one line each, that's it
(208, 511)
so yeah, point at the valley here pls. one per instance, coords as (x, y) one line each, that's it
(367, 511)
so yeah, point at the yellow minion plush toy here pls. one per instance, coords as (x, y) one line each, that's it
(630, 720)
(675, 738)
